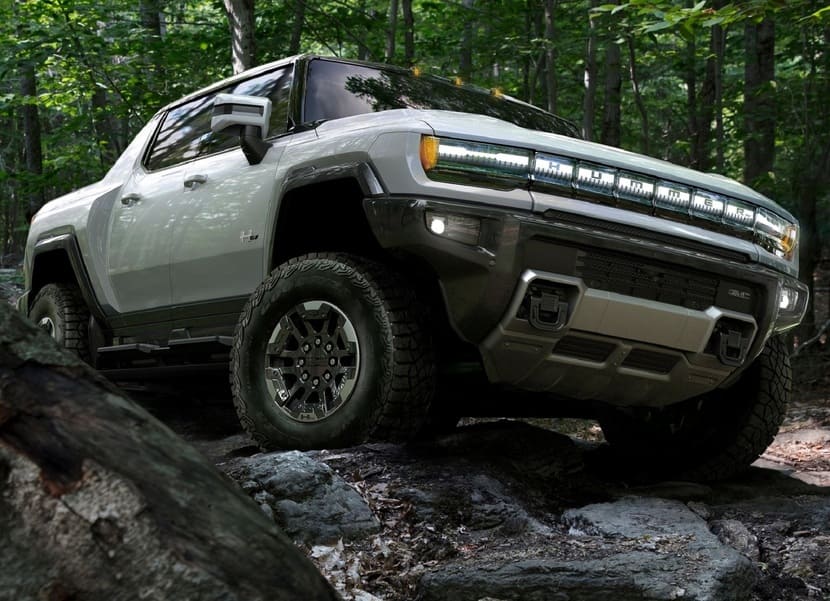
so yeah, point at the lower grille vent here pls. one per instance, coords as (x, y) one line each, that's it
(660, 363)
(584, 348)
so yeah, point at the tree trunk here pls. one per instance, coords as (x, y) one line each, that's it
(710, 98)
(391, 30)
(100, 501)
(759, 103)
(32, 143)
(409, 33)
(150, 11)
(297, 27)
(550, 56)
(465, 57)
(638, 97)
(693, 122)
(611, 127)
(241, 24)
(590, 78)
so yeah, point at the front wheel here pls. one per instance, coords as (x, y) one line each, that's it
(60, 310)
(329, 351)
(711, 437)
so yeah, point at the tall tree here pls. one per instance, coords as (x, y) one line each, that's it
(590, 76)
(391, 30)
(297, 27)
(550, 55)
(465, 56)
(759, 102)
(408, 32)
(611, 115)
(32, 145)
(241, 22)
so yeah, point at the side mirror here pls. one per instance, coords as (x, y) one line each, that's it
(246, 116)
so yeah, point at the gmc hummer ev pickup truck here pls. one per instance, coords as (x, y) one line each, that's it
(354, 240)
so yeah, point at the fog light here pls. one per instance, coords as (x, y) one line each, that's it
(787, 299)
(437, 225)
(461, 228)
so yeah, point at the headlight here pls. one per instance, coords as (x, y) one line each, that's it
(776, 234)
(443, 156)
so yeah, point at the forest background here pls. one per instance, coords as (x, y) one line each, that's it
(740, 88)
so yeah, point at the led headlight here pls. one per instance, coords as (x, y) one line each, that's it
(551, 170)
(461, 228)
(776, 234)
(594, 179)
(708, 205)
(634, 188)
(672, 196)
(739, 214)
(463, 158)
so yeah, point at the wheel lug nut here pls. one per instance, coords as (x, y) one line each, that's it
(304, 377)
(332, 361)
(318, 341)
(300, 362)
(329, 347)
(327, 376)
(315, 381)
(306, 347)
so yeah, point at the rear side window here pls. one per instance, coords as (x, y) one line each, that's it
(185, 133)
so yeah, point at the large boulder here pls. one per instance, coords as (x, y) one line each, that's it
(100, 501)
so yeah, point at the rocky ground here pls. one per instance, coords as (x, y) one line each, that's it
(516, 511)
(523, 511)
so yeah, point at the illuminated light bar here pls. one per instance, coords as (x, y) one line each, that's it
(554, 170)
(708, 205)
(476, 163)
(634, 188)
(739, 214)
(671, 196)
(595, 179)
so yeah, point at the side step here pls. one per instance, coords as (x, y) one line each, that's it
(201, 353)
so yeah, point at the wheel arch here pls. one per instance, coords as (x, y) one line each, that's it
(58, 260)
(322, 210)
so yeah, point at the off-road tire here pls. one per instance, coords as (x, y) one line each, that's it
(712, 437)
(64, 307)
(396, 377)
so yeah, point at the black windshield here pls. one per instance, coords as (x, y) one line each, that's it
(335, 90)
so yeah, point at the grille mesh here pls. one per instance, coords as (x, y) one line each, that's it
(650, 281)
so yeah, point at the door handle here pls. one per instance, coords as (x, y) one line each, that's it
(197, 179)
(129, 200)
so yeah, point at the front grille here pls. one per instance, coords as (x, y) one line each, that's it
(646, 360)
(646, 280)
(584, 348)
(633, 232)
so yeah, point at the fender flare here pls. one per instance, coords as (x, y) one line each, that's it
(68, 243)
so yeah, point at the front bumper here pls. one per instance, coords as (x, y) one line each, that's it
(647, 317)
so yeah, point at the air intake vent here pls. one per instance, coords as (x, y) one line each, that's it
(651, 281)
(660, 363)
(584, 348)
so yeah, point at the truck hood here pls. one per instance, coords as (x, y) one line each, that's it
(488, 129)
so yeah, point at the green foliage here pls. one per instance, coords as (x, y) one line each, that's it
(101, 72)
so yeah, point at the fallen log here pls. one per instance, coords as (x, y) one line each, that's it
(100, 501)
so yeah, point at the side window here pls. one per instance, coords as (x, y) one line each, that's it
(276, 85)
(185, 134)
